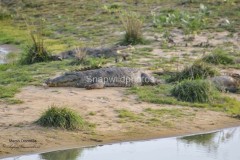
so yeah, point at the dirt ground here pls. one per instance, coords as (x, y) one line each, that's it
(17, 120)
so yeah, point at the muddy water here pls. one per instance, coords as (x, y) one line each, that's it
(220, 145)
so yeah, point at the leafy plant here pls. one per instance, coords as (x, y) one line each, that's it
(189, 22)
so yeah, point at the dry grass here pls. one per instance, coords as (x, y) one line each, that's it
(36, 52)
(133, 28)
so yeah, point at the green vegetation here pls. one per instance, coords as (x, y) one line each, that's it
(61, 118)
(36, 52)
(90, 63)
(128, 115)
(165, 112)
(189, 22)
(133, 29)
(198, 70)
(194, 91)
(15, 76)
(11, 101)
(161, 94)
(219, 56)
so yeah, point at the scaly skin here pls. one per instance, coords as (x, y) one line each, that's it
(111, 77)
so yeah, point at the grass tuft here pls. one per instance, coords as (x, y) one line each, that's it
(218, 56)
(133, 29)
(126, 114)
(193, 91)
(198, 70)
(37, 51)
(61, 118)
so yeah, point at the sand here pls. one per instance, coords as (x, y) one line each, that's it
(17, 121)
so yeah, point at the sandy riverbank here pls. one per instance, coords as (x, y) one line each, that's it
(17, 120)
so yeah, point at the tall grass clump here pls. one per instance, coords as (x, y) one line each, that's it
(198, 70)
(199, 91)
(133, 28)
(217, 57)
(61, 118)
(36, 51)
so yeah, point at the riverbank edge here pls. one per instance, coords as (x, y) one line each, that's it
(133, 138)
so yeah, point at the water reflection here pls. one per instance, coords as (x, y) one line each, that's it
(210, 139)
(222, 145)
(72, 154)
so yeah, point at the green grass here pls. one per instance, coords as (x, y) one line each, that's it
(194, 91)
(91, 63)
(198, 70)
(161, 94)
(64, 118)
(8, 91)
(219, 56)
(128, 115)
(12, 101)
(188, 22)
(15, 76)
(175, 113)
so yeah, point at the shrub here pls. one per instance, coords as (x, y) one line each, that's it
(193, 91)
(198, 70)
(218, 57)
(62, 118)
(35, 53)
(133, 29)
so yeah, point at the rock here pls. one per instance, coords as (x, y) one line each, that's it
(110, 77)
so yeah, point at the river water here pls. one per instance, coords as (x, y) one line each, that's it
(219, 145)
(6, 49)
(3, 53)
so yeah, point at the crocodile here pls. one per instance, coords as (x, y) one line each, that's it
(226, 83)
(103, 77)
(106, 52)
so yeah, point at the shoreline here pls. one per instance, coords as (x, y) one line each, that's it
(126, 139)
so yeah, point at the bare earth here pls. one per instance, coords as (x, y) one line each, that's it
(17, 120)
